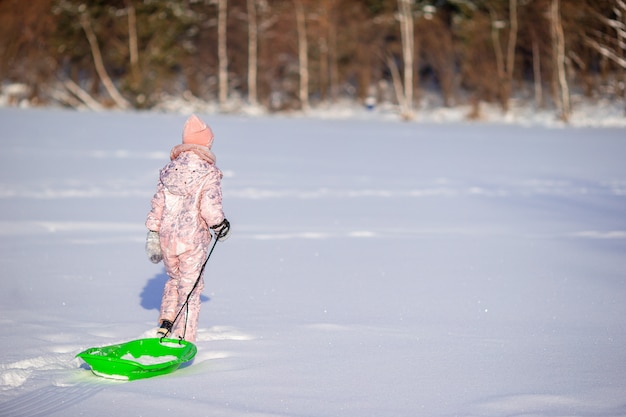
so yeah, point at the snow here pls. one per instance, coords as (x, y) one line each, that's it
(149, 360)
(376, 268)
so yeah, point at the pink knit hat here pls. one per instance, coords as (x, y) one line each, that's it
(197, 132)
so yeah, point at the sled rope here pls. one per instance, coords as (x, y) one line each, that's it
(185, 305)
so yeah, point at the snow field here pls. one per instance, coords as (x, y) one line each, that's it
(375, 268)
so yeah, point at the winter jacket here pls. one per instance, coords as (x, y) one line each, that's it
(188, 200)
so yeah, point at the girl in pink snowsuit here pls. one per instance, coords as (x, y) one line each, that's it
(186, 206)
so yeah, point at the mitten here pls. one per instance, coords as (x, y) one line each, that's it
(153, 247)
(221, 230)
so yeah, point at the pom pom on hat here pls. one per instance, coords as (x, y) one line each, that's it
(197, 132)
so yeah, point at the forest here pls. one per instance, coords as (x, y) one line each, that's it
(284, 55)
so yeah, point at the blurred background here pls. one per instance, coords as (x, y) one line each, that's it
(294, 55)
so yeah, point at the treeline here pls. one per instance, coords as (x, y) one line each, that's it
(293, 54)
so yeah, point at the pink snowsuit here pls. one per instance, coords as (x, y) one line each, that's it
(188, 201)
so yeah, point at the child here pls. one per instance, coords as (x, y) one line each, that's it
(187, 204)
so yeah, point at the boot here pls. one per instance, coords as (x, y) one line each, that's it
(165, 328)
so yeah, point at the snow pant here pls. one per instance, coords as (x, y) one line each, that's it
(183, 270)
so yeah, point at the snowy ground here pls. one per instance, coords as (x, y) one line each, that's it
(376, 268)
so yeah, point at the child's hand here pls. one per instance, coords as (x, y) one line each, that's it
(153, 247)
(221, 230)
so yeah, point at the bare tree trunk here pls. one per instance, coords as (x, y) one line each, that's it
(323, 47)
(253, 41)
(397, 81)
(221, 53)
(505, 67)
(406, 30)
(332, 57)
(613, 49)
(620, 12)
(558, 51)
(497, 47)
(133, 48)
(537, 70)
(120, 101)
(302, 56)
(510, 52)
(132, 39)
(84, 96)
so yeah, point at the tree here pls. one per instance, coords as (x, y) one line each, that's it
(85, 22)
(222, 52)
(558, 51)
(437, 56)
(252, 52)
(610, 42)
(133, 43)
(26, 29)
(133, 53)
(536, 66)
(333, 64)
(303, 48)
(138, 46)
(505, 60)
(405, 16)
(325, 46)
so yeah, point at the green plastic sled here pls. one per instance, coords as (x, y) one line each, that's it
(141, 358)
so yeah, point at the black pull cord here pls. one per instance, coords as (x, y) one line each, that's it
(195, 285)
